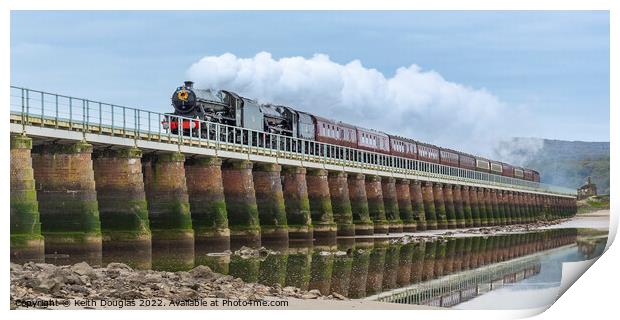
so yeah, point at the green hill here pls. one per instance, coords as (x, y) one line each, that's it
(563, 163)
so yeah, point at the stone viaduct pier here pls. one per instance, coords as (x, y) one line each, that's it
(88, 175)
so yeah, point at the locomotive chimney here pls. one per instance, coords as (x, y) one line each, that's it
(188, 84)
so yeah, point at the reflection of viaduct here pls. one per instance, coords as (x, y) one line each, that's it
(85, 173)
(449, 289)
(365, 267)
(452, 290)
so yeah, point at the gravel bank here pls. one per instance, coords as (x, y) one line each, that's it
(117, 281)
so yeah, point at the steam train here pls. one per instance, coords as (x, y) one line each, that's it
(229, 108)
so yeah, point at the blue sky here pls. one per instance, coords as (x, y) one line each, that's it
(552, 65)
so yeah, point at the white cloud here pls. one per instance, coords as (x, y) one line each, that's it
(414, 102)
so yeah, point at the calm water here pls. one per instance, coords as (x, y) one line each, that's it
(540, 289)
(477, 268)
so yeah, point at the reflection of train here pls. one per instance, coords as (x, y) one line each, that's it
(231, 109)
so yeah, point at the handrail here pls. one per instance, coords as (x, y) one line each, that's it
(89, 116)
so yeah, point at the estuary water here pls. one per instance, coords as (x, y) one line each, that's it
(539, 290)
(511, 270)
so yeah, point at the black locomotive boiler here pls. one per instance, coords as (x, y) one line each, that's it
(227, 108)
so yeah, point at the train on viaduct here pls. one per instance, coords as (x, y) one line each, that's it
(85, 174)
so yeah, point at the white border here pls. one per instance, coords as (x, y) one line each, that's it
(593, 296)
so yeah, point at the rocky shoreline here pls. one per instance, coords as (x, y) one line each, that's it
(42, 281)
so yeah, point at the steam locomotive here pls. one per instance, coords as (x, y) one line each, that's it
(229, 108)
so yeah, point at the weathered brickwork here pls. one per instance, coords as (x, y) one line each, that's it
(417, 201)
(206, 199)
(376, 208)
(320, 203)
(67, 198)
(475, 207)
(429, 205)
(168, 200)
(270, 201)
(499, 194)
(341, 205)
(440, 206)
(120, 193)
(390, 203)
(467, 210)
(457, 192)
(26, 239)
(241, 204)
(449, 202)
(489, 207)
(296, 202)
(403, 194)
(482, 207)
(359, 204)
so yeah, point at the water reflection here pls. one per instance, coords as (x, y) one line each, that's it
(530, 287)
(363, 267)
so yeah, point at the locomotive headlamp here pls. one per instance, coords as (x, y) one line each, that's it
(182, 95)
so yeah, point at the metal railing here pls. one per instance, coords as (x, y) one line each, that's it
(38, 108)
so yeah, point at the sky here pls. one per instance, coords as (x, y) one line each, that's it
(461, 79)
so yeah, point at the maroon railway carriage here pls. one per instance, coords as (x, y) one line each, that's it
(528, 174)
(496, 167)
(428, 152)
(536, 176)
(338, 133)
(448, 157)
(518, 173)
(508, 170)
(372, 140)
(483, 164)
(403, 147)
(467, 161)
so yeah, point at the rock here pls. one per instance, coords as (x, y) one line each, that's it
(309, 295)
(73, 279)
(203, 272)
(46, 285)
(315, 291)
(245, 252)
(117, 265)
(16, 267)
(220, 294)
(113, 273)
(130, 295)
(338, 296)
(151, 278)
(43, 267)
(186, 293)
(84, 269)
(79, 289)
(289, 290)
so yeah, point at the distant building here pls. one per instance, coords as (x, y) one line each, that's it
(587, 190)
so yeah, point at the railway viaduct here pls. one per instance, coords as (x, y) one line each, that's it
(87, 174)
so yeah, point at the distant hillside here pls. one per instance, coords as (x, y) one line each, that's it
(564, 163)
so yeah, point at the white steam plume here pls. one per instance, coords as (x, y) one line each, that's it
(414, 103)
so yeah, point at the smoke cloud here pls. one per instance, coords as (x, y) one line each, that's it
(413, 102)
(518, 151)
